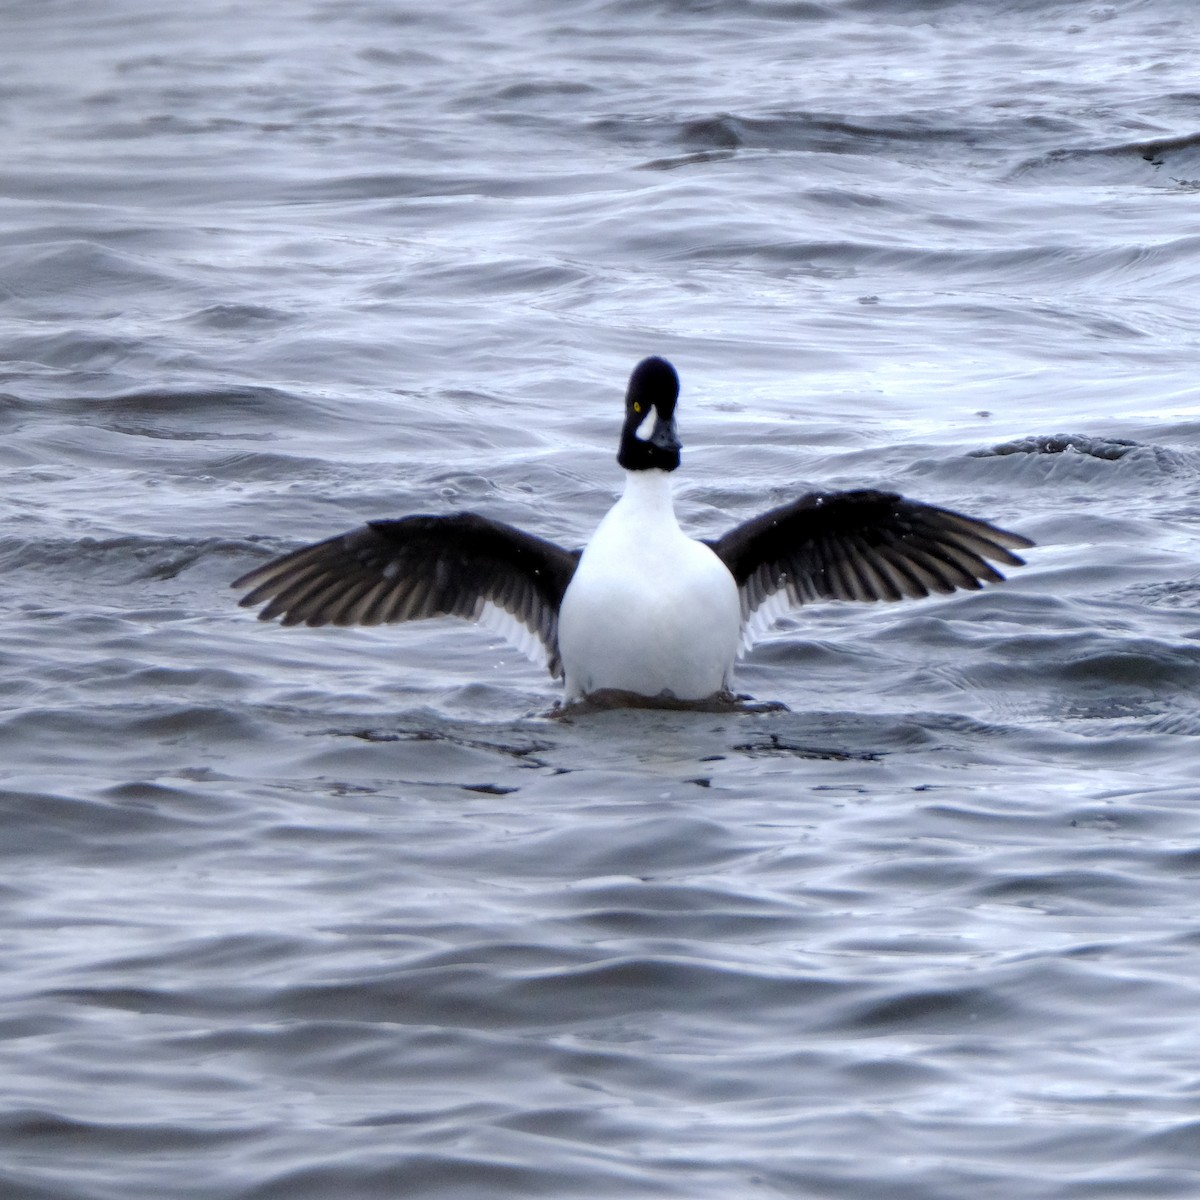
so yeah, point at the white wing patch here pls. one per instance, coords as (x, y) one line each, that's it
(501, 622)
(757, 624)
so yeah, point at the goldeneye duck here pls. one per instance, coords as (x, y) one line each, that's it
(644, 610)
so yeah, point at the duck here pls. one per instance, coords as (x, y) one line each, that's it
(644, 611)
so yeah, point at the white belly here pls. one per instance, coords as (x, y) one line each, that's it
(652, 621)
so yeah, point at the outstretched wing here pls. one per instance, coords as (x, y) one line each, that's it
(462, 565)
(860, 545)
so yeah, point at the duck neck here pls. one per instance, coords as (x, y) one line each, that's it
(650, 492)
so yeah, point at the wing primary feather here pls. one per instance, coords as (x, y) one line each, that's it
(417, 567)
(969, 561)
(925, 569)
(261, 578)
(295, 594)
(852, 566)
(881, 584)
(415, 605)
(393, 604)
(313, 611)
(340, 611)
(862, 545)
(284, 585)
(948, 564)
(368, 610)
(833, 569)
(986, 549)
(992, 535)
(918, 582)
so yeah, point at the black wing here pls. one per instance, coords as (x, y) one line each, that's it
(417, 567)
(861, 545)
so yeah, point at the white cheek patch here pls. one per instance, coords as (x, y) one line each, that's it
(646, 428)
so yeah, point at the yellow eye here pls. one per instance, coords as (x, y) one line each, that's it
(637, 408)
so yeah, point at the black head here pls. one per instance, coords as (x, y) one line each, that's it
(652, 393)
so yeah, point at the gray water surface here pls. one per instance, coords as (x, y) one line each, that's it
(350, 913)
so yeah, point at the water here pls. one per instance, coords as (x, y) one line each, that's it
(294, 913)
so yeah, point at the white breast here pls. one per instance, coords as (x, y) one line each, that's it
(649, 610)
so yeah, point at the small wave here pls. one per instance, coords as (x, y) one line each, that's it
(81, 270)
(1047, 263)
(238, 316)
(785, 11)
(1164, 162)
(258, 404)
(417, 185)
(1060, 887)
(118, 561)
(1059, 443)
(808, 131)
(1173, 724)
(943, 1010)
(43, 823)
(639, 908)
(55, 1132)
(1178, 1143)
(544, 89)
(557, 991)
(1072, 457)
(1168, 593)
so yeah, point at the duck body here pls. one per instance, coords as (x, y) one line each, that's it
(649, 610)
(644, 611)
